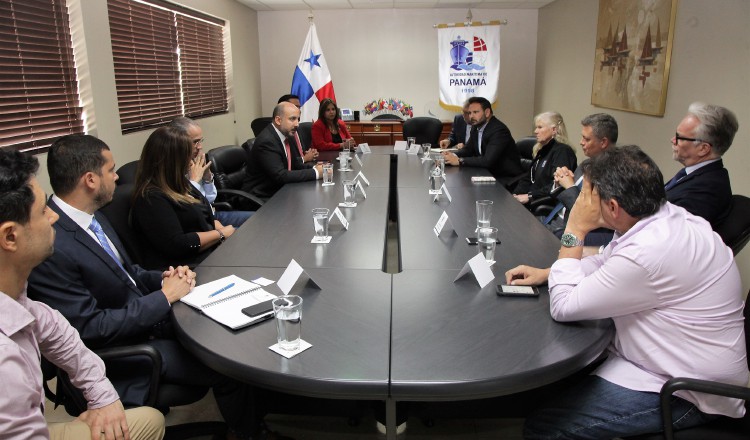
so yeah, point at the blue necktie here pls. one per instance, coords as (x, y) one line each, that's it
(97, 229)
(677, 177)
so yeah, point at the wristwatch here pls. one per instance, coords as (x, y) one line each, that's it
(460, 161)
(569, 240)
(221, 236)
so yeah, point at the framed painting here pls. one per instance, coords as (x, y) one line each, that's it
(633, 52)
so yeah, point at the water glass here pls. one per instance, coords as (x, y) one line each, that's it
(320, 222)
(349, 187)
(327, 172)
(344, 161)
(426, 149)
(484, 213)
(487, 239)
(438, 161)
(288, 312)
(436, 180)
(411, 141)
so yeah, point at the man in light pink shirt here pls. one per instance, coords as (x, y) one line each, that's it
(29, 329)
(673, 291)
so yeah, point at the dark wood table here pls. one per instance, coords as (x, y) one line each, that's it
(409, 336)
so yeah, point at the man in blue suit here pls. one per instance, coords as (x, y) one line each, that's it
(702, 186)
(460, 131)
(91, 280)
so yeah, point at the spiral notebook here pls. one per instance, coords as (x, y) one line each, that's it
(223, 300)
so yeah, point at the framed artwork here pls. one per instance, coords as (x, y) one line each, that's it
(632, 57)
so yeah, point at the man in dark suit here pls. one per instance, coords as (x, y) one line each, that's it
(91, 280)
(274, 159)
(702, 186)
(490, 144)
(460, 131)
(304, 140)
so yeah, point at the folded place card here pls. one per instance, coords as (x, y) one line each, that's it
(359, 161)
(480, 268)
(337, 214)
(364, 148)
(361, 188)
(362, 176)
(290, 277)
(414, 149)
(350, 205)
(441, 223)
(400, 146)
(321, 240)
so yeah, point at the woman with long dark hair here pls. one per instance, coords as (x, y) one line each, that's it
(329, 131)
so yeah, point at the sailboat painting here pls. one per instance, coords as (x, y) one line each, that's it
(633, 52)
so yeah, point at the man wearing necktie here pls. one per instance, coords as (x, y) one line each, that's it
(702, 186)
(274, 159)
(91, 280)
(490, 144)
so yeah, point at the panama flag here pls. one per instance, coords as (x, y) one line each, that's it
(312, 80)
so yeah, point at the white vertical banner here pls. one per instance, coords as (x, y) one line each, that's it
(468, 64)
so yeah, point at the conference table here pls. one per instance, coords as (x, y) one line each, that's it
(417, 334)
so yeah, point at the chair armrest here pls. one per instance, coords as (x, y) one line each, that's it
(702, 386)
(542, 206)
(112, 353)
(235, 192)
(222, 206)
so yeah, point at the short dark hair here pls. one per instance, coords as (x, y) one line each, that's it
(72, 156)
(718, 125)
(16, 195)
(484, 102)
(286, 98)
(603, 125)
(628, 175)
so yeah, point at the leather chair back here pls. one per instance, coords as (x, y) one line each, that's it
(118, 214)
(228, 165)
(525, 147)
(425, 129)
(304, 131)
(735, 229)
(259, 124)
(126, 173)
(387, 117)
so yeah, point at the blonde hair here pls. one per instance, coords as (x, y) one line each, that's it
(554, 120)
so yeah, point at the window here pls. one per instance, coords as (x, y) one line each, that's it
(38, 79)
(169, 61)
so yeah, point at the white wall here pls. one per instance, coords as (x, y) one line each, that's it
(710, 63)
(98, 79)
(393, 53)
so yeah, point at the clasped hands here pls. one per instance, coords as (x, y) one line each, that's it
(200, 169)
(177, 282)
(450, 158)
(564, 177)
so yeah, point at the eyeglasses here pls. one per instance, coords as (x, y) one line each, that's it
(198, 141)
(678, 138)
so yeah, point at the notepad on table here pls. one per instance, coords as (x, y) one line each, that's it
(223, 300)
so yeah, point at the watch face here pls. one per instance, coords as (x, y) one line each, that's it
(569, 240)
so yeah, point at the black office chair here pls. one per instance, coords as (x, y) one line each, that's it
(735, 229)
(525, 147)
(387, 117)
(723, 428)
(160, 396)
(304, 131)
(126, 173)
(228, 165)
(259, 124)
(425, 129)
(118, 214)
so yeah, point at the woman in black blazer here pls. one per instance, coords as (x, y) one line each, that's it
(175, 222)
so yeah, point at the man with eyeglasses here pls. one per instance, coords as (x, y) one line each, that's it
(200, 174)
(702, 187)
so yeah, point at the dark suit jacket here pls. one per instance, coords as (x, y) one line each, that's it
(458, 131)
(499, 153)
(267, 167)
(706, 192)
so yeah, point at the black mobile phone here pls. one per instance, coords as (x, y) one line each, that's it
(473, 241)
(524, 291)
(258, 309)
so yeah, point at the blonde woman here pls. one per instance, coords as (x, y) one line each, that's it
(550, 152)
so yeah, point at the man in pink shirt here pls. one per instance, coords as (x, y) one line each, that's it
(29, 329)
(673, 291)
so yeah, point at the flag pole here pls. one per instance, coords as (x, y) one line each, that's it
(470, 22)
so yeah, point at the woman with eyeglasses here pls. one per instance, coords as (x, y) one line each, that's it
(174, 219)
(329, 131)
(550, 152)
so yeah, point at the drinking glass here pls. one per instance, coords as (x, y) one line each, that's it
(320, 222)
(288, 312)
(484, 213)
(349, 187)
(487, 239)
(327, 172)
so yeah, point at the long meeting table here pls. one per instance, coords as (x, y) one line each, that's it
(415, 335)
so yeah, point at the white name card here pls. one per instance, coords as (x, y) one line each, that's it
(400, 146)
(414, 149)
(361, 188)
(440, 225)
(362, 175)
(290, 277)
(340, 215)
(364, 148)
(480, 268)
(359, 161)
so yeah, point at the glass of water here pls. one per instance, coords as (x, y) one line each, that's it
(320, 222)
(438, 161)
(344, 161)
(487, 239)
(411, 141)
(288, 312)
(328, 173)
(426, 149)
(484, 213)
(349, 187)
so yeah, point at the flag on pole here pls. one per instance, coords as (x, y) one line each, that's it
(312, 79)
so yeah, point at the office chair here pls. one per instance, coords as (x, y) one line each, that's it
(525, 147)
(425, 129)
(160, 396)
(118, 214)
(735, 229)
(304, 131)
(228, 165)
(723, 428)
(126, 173)
(259, 124)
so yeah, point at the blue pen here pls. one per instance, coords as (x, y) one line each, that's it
(228, 286)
